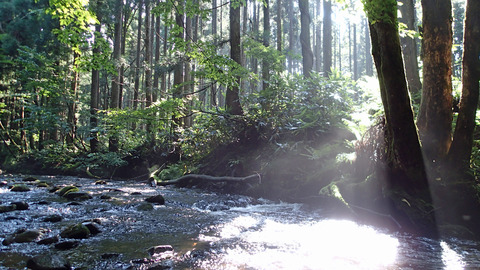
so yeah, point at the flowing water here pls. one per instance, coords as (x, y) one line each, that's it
(213, 231)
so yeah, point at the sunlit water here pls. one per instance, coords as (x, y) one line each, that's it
(215, 231)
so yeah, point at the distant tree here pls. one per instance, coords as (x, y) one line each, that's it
(327, 37)
(409, 46)
(305, 38)
(266, 43)
(115, 90)
(461, 149)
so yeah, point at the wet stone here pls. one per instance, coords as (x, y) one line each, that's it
(43, 203)
(105, 197)
(66, 245)
(53, 218)
(158, 199)
(22, 205)
(156, 250)
(77, 231)
(30, 179)
(107, 256)
(78, 196)
(136, 193)
(94, 230)
(74, 203)
(27, 236)
(48, 262)
(48, 240)
(20, 188)
(145, 207)
(100, 182)
(7, 208)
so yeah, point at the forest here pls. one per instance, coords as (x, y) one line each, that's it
(364, 107)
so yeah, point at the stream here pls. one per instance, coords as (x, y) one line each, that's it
(208, 230)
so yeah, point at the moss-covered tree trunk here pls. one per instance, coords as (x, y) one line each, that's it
(461, 149)
(435, 115)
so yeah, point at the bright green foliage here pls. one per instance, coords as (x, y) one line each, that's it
(381, 11)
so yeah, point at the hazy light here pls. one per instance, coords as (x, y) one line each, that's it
(328, 244)
(450, 258)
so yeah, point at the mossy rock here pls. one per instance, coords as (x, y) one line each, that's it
(30, 179)
(43, 184)
(77, 196)
(145, 207)
(27, 236)
(65, 190)
(77, 231)
(20, 188)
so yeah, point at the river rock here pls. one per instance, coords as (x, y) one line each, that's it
(65, 190)
(156, 250)
(66, 245)
(48, 240)
(42, 184)
(157, 199)
(48, 262)
(77, 231)
(145, 207)
(3, 183)
(8, 240)
(27, 236)
(30, 179)
(7, 208)
(94, 230)
(53, 218)
(100, 182)
(20, 205)
(78, 196)
(105, 197)
(20, 188)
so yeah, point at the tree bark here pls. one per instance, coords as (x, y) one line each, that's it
(368, 55)
(232, 99)
(461, 149)
(94, 92)
(435, 114)
(409, 46)
(318, 41)
(403, 147)
(266, 43)
(115, 91)
(327, 37)
(279, 25)
(305, 38)
(136, 87)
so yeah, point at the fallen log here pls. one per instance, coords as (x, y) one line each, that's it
(201, 178)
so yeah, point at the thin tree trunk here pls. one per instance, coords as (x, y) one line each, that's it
(136, 87)
(115, 94)
(461, 149)
(291, 35)
(368, 54)
(71, 105)
(156, 77)
(305, 38)
(213, 90)
(355, 53)
(410, 48)
(266, 43)
(318, 42)
(327, 37)
(94, 92)
(279, 25)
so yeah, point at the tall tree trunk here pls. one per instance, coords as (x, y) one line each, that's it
(318, 41)
(156, 78)
(405, 153)
(136, 87)
(305, 38)
(115, 91)
(461, 149)
(279, 25)
(410, 48)
(291, 35)
(232, 99)
(327, 37)
(148, 56)
(71, 104)
(435, 114)
(355, 53)
(266, 43)
(368, 54)
(188, 88)
(213, 90)
(94, 91)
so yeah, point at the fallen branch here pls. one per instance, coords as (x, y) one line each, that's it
(197, 178)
